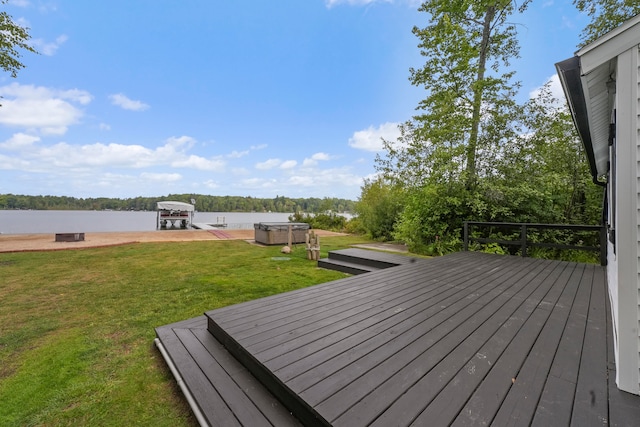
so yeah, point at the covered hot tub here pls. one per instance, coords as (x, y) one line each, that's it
(277, 233)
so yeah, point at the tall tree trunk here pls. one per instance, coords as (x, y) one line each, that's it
(472, 146)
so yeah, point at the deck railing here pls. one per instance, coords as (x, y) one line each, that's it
(524, 242)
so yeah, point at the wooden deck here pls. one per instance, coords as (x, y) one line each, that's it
(465, 339)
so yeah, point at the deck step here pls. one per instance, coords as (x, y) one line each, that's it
(345, 266)
(359, 261)
(210, 374)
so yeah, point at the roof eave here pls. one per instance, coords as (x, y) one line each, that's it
(569, 73)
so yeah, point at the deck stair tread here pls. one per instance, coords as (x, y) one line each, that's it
(464, 339)
(225, 391)
(345, 266)
(358, 261)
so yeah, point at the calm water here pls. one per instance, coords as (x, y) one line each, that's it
(24, 222)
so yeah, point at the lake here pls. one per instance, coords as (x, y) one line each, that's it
(27, 221)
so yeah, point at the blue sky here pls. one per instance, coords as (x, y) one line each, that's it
(247, 98)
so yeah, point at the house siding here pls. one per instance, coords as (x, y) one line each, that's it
(612, 64)
(624, 266)
(636, 54)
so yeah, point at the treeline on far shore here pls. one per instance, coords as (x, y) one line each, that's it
(203, 203)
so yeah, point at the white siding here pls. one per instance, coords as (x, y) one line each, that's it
(625, 290)
(636, 53)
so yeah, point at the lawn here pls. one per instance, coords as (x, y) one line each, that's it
(77, 326)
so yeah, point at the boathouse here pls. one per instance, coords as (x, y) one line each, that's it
(602, 86)
(174, 214)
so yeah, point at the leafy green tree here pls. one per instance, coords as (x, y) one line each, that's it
(473, 153)
(451, 146)
(13, 38)
(605, 16)
(379, 208)
(468, 46)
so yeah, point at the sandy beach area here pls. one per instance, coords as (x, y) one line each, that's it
(46, 242)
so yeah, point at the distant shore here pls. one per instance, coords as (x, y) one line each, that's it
(46, 242)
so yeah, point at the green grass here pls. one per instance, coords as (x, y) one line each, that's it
(77, 326)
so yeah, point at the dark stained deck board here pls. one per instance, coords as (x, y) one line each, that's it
(351, 364)
(383, 285)
(216, 411)
(226, 393)
(624, 408)
(445, 389)
(264, 401)
(522, 399)
(421, 347)
(324, 306)
(556, 401)
(371, 306)
(467, 339)
(297, 357)
(426, 375)
(327, 290)
(591, 403)
(285, 305)
(349, 345)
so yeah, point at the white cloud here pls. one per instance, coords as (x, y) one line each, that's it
(8, 163)
(269, 164)
(288, 164)
(211, 184)
(89, 157)
(237, 154)
(325, 178)
(160, 177)
(199, 163)
(183, 141)
(321, 156)
(370, 139)
(126, 103)
(302, 180)
(104, 126)
(19, 141)
(20, 3)
(46, 110)
(313, 160)
(240, 171)
(49, 48)
(556, 87)
(256, 183)
(556, 90)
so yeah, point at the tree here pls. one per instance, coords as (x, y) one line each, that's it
(379, 208)
(473, 153)
(13, 37)
(464, 121)
(605, 16)
(468, 45)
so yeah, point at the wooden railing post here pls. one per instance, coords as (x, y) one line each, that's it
(523, 239)
(603, 245)
(465, 236)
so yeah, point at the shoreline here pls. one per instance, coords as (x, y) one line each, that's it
(46, 242)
